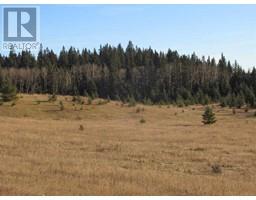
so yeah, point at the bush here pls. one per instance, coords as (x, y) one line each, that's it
(61, 105)
(179, 101)
(223, 102)
(89, 101)
(208, 116)
(8, 93)
(239, 101)
(52, 98)
(142, 121)
(77, 99)
(131, 102)
(216, 169)
(147, 101)
(206, 100)
(81, 127)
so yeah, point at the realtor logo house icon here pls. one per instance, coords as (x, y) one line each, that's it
(20, 24)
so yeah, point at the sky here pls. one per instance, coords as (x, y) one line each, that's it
(207, 30)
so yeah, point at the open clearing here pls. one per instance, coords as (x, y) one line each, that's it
(106, 150)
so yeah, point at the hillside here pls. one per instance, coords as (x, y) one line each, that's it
(106, 149)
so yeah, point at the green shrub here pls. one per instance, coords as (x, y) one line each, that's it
(147, 101)
(131, 102)
(8, 93)
(208, 116)
(89, 101)
(179, 101)
(223, 102)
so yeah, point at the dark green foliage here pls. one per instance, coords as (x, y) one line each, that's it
(121, 73)
(239, 101)
(208, 116)
(8, 92)
(131, 101)
(179, 101)
(223, 102)
(147, 101)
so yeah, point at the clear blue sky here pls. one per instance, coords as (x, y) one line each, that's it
(203, 29)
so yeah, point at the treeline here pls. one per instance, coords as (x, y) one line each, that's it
(131, 74)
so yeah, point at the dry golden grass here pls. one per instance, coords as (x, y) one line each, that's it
(44, 151)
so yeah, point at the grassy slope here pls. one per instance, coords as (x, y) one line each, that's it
(43, 151)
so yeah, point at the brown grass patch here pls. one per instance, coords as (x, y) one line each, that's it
(168, 155)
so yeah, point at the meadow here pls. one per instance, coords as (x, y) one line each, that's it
(110, 148)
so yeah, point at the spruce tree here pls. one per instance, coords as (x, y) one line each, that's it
(8, 92)
(208, 116)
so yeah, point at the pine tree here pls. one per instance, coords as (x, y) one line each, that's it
(8, 92)
(208, 116)
(144, 74)
(63, 58)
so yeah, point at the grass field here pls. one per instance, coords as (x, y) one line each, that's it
(107, 149)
